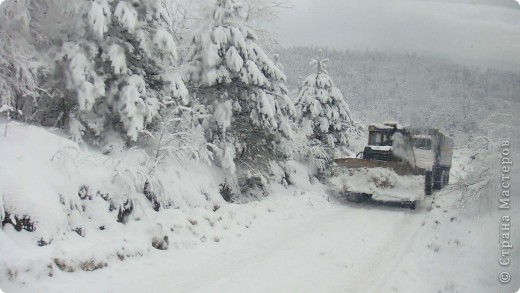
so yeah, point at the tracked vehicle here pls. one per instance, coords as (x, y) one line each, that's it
(399, 164)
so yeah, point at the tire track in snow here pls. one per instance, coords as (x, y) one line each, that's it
(282, 248)
(390, 252)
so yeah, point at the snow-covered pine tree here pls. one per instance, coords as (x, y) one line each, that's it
(119, 67)
(20, 62)
(321, 108)
(244, 93)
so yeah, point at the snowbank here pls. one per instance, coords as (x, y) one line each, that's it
(69, 208)
(64, 208)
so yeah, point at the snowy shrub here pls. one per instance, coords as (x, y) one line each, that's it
(482, 157)
(242, 88)
(306, 149)
(179, 137)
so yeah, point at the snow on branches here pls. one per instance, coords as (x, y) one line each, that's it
(19, 59)
(224, 54)
(322, 105)
(121, 70)
(241, 85)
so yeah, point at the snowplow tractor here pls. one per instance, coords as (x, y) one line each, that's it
(398, 165)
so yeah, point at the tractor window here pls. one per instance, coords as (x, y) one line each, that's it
(423, 143)
(380, 139)
(375, 138)
(387, 140)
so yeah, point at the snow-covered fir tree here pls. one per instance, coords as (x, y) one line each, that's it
(321, 108)
(19, 60)
(119, 67)
(243, 90)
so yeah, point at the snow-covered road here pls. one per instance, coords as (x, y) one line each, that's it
(312, 246)
(339, 247)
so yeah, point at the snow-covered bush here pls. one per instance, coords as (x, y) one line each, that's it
(242, 88)
(180, 137)
(480, 157)
(311, 151)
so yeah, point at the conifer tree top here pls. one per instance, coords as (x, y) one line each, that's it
(225, 51)
(225, 10)
(321, 64)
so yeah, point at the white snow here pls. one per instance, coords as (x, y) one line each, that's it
(126, 15)
(223, 114)
(132, 106)
(387, 125)
(220, 35)
(233, 59)
(99, 17)
(380, 148)
(383, 184)
(67, 192)
(256, 77)
(163, 40)
(298, 239)
(176, 86)
(228, 159)
(116, 54)
(211, 54)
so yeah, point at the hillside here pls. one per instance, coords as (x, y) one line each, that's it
(298, 238)
(415, 89)
(168, 146)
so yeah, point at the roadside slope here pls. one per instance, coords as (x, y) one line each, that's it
(323, 247)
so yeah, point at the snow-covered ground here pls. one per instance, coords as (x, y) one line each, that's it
(312, 247)
(299, 239)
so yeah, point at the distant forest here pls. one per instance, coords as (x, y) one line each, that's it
(462, 100)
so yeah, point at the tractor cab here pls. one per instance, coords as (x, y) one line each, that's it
(381, 139)
(382, 134)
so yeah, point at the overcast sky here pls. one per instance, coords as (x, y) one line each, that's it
(486, 33)
(482, 32)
